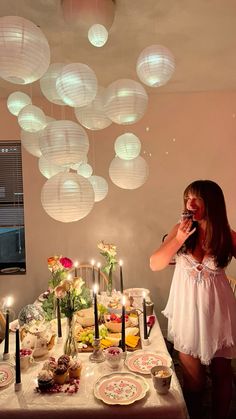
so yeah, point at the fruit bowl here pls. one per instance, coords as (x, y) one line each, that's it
(113, 322)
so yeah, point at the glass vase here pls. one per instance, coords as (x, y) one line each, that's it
(70, 346)
(109, 284)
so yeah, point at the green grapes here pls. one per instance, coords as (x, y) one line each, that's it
(87, 336)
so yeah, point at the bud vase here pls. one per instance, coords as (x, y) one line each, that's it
(109, 283)
(70, 347)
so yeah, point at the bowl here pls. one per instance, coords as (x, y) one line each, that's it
(114, 357)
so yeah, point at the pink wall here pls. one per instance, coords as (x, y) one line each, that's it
(184, 137)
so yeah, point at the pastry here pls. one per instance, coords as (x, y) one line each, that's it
(75, 368)
(60, 374)
(45, 380)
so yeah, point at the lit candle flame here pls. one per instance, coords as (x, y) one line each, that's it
(123, 300)
(99, 265)
(8, 301)
(144, 294)
(92, 262)
(76, 264)
(121, 262)
(95, 288)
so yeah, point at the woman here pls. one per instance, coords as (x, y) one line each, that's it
(201, 308)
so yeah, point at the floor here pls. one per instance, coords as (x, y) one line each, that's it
(207, 397)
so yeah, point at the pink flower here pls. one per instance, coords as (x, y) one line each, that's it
(60, 291)
(66, 262)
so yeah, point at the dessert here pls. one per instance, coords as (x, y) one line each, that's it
(75, 368)
(45, 380)
(187, 215)
(64, 359)
(60, 374)
(162, 374)
(50, 364)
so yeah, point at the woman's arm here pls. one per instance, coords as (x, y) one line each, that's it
(234, 242)
(173, 242)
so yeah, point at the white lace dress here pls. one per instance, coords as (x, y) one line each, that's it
(201, 310)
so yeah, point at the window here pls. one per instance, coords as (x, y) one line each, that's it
(12, 231)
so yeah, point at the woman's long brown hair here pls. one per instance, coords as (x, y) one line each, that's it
(218, 233)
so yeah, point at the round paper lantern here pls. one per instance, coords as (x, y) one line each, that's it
(93, 116)
(30, 141)
(127, 146)
(67, 197)
(97, 35)
(49, 169)
(17, 101)
(48, 83)
(155, 65)
(100, 187)
(77, 165)
(125, 101)
(32, 119)
(64, 143)
(128, 174)
(77, 84)
(85, 170)
(24, 50)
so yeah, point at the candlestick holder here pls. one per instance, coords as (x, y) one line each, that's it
(97, 355)
(146, 341)
(18, 386)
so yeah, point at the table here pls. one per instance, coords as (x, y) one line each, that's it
(29, 404)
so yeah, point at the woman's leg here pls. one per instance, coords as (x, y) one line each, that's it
(194, 377)
(222, 380)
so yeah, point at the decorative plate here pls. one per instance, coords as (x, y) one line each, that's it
(7, 373)
(120, 388)
(143, 361)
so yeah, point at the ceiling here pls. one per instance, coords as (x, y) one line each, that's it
(200, 33)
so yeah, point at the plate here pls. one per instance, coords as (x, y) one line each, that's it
(10, 270)
(120, 388)
(7, 373)
(143, 361)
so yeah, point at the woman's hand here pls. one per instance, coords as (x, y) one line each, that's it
(185, 230)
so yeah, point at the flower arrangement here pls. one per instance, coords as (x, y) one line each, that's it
(73, 296)
(59, 267)
(109, 252)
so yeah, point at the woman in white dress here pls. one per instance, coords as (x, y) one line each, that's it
(201, 308)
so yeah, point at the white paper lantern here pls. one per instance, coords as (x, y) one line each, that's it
(32, 119)
(64, 143)
(24, 50)
(128, 174)
(48, 169)
(76, 166)
(155, 65)
(97, 35)
(125, 101)
(77, 84)
(100, 187)
(67, 197)
(17, 101)
(93, 116)
(30, 141)
(85, 170)
(48, 83)
(127, 146)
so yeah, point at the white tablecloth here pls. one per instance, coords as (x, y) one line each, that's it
(29, 404)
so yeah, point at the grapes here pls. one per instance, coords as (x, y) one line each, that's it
(87, 336)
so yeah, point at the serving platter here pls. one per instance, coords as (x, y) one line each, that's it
(122, 388)
(142, 361)
(6, 374)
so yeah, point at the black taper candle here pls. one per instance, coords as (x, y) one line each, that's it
(93, 274)
(96, 332)
(123, 327)
(18, 375)
(121, 280)
(6, 341)
(99, 279)
(59, 332)
(145, 333)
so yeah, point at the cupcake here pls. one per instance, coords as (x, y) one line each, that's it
(50, 364)
(75, 368)
(45, 380)
(60, 374)
(64, 359)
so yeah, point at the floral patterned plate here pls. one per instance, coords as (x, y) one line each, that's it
(120, 388)
(143, 361)
(6, 374)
